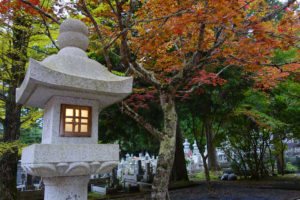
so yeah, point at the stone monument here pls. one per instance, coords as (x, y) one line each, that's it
(186, 146)
(72, 89)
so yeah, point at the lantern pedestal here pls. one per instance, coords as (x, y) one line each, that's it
(66, 188)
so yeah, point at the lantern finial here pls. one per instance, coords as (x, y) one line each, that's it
(73, 33)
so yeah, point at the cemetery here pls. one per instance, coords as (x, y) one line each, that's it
(162, 99)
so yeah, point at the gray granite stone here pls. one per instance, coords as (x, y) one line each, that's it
(51, 160)
(73, 33)
(51, 121)
(56, 153)
(66, 188)
(71, 78)
(71, 73)
(41, 82)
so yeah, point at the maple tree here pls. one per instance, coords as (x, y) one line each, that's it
(174, 47)
(172, 44)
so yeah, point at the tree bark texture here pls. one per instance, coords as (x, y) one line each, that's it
(280, 161)
(167, 149)
(21, 30)
(211, 149)
(8, 175)
(179, 171)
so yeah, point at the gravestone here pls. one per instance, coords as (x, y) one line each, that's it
(186, 146)
(224, 177)
(232, 177)
(72, 89)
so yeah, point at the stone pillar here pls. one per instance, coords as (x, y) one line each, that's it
(66, 188)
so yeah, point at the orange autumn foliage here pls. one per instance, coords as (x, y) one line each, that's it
(165, 34)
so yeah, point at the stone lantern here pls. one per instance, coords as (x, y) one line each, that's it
(72, 89)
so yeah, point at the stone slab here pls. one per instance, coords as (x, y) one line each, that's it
(64, 153)
(42, 82)
(98, 189)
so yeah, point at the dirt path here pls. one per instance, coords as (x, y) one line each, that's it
(235, 191)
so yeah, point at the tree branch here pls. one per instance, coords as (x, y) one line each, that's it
(3, 97)
(271, 15)
(48, 33)
(201, 35)
(124, 108)
(166, 16)
(277, 65)
(200, 84)
(41, 11)
(188, 70)
(2, 120)
(111, 6)
(89, 15)
(116, 37)
(147, 75)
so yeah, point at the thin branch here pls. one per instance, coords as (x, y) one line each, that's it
(130, 11)
(277, 65)
(217, 44)
(41, 11)
(280, 64)
(111, 6)
(187, 70)
(3, 97)
(127, 60)
(201, 35)
(147, 75)
(48, 33)
(271, 15)
(200, 84)
(116, 37)
(124, 108)
(164, 17)
(89, 15)
(26, 119)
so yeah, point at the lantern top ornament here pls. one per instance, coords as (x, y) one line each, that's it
(70, 73)
(73, 33)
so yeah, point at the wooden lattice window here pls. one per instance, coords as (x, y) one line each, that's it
(76, 121)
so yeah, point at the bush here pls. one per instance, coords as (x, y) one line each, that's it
(290, 168)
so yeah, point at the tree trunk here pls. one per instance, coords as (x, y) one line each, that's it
(206, 171)
(167, 149)
(21, 30)
(179, 171)
(279, 147)
(211, 149)
(9, 160)
(280, 162)
(8, 172)
(12, 122)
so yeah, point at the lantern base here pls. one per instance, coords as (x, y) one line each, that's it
(66, 188)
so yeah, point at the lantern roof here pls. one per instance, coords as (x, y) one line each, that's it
(71, 73)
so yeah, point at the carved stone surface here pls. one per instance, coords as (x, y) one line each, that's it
(69, 169)
(70, 73)
(73, 33)
(66, 188)
(69, 153)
